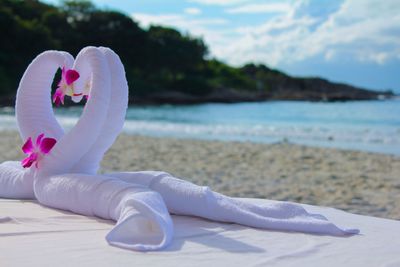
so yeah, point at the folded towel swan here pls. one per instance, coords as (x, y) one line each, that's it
(143, 222)
(140, 202)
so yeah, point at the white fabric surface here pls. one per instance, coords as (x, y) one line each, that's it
(33, 235)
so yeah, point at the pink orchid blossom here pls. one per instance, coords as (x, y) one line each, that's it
(66, 85)
(37, 150)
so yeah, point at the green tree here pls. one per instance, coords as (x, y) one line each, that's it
(156, 60)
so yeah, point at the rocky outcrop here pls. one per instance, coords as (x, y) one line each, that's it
(307, 89)
(316, 89)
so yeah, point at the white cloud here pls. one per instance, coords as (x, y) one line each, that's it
(364, 30)
(261, 8)
(219, 2)
(176, 20)
(330, 54)
(192, 11)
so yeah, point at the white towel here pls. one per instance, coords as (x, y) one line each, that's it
(143, 222)
(114, 121)
(33, 107)
(71, 147)
(34, 114)
(15, 181)
(185, 198)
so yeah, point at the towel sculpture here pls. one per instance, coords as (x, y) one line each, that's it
(60, 168)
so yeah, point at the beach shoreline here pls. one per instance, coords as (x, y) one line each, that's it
(359, 182)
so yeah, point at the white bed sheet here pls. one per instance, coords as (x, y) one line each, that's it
(33, 235)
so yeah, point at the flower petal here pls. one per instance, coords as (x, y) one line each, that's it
(58, 97)
(39, 139)
(47, 144)
(28, 146)
(28, 161)
(71, 76)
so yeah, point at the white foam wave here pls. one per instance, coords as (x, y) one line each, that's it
(380, 139)
(306, 133)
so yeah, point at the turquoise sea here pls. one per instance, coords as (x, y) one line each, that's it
(362, 125)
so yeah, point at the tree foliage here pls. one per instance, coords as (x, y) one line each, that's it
(156, 59)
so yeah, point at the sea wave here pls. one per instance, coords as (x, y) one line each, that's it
(269, 132)
(375, 128)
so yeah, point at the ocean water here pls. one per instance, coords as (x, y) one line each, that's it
(364, 125)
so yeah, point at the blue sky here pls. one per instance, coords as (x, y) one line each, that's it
(352, 41)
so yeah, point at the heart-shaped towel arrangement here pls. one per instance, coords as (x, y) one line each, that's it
(60, 170)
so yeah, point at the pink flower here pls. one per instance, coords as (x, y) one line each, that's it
(58, 97)
(66, 85)
(37, 150)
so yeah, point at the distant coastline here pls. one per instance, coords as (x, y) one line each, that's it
(289, 88)
(271, 85)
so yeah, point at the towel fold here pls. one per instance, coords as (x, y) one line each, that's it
(143, 222)
(71, 147)
(115, 118)
(34, 114)
(15, 181)
(185, 198)
(33, 107)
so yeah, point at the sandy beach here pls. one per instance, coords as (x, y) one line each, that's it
(358, 182)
